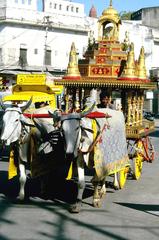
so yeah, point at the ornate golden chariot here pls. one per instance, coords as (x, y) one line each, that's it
(109, 64)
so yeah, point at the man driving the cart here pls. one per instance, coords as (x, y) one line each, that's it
(105, 100)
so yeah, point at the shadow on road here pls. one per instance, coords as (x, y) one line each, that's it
(57, 188)
(63, 192)
(147, 208)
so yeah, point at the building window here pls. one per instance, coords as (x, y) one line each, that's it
(47, 57)
(23, 1)
(77, 10)
(16, 1)
(67, 8)
(36, 51)
(55, 5)
(29, 2)
(72, 9)
(50, 4)
(23, 57)
(60, 7)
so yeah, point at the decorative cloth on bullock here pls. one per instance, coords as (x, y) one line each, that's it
(110, 153)
(110, 150)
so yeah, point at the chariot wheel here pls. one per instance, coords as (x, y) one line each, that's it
(122, 177)
(149, 150)
(138, 161)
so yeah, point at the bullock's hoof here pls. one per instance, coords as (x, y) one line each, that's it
(116, 187)
(75, 208)
(19, 200)
(97, 203)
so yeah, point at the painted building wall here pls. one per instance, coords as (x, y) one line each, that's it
(64, 7)
(34, 40)
(34, 30)
(57, 27)
(150, 16)
(143, 36)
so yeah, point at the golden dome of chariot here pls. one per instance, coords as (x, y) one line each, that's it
(110, 13)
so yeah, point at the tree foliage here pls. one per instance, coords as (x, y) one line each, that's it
(125, 15)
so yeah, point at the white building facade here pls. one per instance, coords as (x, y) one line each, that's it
(148, 37)
(145, 36)
(33, 40)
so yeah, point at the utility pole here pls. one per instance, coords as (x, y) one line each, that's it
(47, 25)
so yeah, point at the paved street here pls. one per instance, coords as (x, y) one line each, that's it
(128, 214)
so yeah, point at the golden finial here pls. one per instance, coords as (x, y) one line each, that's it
(72, 69)
(141, 71)
(129, 70)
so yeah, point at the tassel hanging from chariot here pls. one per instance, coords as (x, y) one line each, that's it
(12, 169)
(69, 175)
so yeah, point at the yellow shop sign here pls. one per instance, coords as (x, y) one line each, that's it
(31, 79)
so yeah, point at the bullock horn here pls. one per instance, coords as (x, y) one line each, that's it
(40, 127)
(56, 115)
(87, 111)
(2, 105)
(27, 105)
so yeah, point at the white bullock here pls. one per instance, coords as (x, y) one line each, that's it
(15, 132)
(29, 145)
(81, 141)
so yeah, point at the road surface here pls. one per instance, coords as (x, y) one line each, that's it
(128, 214)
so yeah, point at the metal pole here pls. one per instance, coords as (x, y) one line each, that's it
(45, 43)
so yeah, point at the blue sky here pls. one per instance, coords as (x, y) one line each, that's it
(119, 5)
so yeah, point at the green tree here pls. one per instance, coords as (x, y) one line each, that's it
(125, 15)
